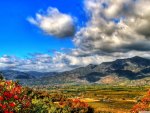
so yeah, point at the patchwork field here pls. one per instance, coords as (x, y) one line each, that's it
(105, 99)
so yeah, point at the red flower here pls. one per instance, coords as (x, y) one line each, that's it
(11, 112)
(13, 95)
(16, 97)
(27, 104)
(61, 103)
(4, 106)
(12, 104)
(1, 98)
(6, 111)
(8, 95)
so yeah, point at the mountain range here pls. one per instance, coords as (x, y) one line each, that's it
(130, 71)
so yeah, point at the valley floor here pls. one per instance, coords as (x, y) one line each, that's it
(105, 99)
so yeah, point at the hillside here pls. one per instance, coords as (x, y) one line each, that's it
(130, 71)
(125, 71)
(25, 78)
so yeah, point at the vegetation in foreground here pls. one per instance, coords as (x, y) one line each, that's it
(73, 99)
(17, 99)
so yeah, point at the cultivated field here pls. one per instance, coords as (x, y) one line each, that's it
(111, 99)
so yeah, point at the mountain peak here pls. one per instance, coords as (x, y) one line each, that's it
(141, 60)
(92, 66)
(137, 57)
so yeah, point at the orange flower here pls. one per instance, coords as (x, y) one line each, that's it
(148, 92)
(17, 89)
(8, 83)
(76, 101)
(146, 99)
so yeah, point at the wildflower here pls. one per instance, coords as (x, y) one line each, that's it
(6, 111)
(1, 98)
(8, 83)
(27, 104)
(12, 104)
(16, 97)
(8, 95)
(4, 106)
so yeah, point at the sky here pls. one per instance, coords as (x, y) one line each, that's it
(60, 35)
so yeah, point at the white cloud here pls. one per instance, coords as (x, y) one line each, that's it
(102, 33)
(116, 29)
(54, 23)
(61, 62)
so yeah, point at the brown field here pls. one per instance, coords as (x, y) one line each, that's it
(106, 99)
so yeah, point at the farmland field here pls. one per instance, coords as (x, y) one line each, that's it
(105, 99)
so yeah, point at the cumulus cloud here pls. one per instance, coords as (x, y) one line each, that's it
(115, 29)
(45, 63)
(9, 62)
(54, 23)
(61, 61)
(120, 27)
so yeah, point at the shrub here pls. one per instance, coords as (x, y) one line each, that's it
(13, 98)
(75, 106)
(17, 99)
(143, 104)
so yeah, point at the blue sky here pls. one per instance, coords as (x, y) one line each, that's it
(60, 35)
(19, 37)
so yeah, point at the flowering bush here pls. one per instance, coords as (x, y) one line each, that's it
(13, 98)
(16, 99)
(65, 106)
(76, 106)
(143, 105)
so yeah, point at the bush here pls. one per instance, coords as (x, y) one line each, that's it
(13, 98)
(17, 99)
(75, 106)
(143, 104)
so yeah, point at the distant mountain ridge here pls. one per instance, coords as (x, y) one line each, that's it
(115, 72)
(130, 71)
(24, 77)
